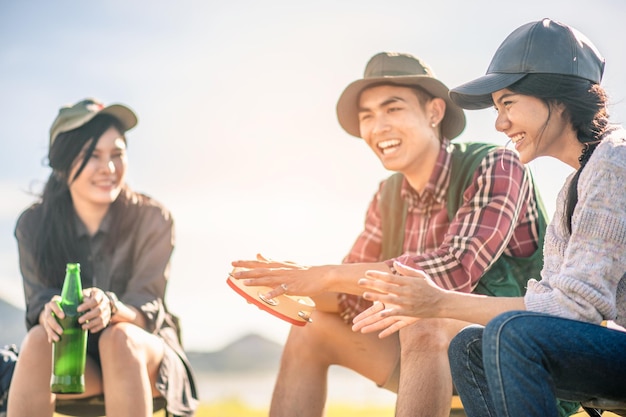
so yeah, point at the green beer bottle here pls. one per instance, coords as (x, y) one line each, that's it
(69, 353)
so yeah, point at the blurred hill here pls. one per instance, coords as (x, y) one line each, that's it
(250, 353)
(12, 324)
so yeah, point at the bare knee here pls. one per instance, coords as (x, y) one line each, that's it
(429, 335)
(317, 341)
(118, 340)
(36, 346)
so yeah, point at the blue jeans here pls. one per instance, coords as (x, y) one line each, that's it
(521, 362)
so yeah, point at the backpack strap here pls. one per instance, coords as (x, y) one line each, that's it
(393, 212)
(508, 275)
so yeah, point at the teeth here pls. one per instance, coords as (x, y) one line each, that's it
(517, 138)
(385, 145)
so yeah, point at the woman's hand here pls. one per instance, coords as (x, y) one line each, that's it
(47, 319)
(283, 276)
(377, 319)
(399, 300)
(96, 309)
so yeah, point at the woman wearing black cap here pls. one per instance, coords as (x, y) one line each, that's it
(123, 241)
(544, 82)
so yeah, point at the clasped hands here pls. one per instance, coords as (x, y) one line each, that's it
(95, 313)
(399, 300)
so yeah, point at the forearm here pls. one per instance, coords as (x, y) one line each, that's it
(130, 314)
(475, 308)
(345, 277)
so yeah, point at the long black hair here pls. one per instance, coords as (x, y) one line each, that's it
(55, 241)
(585, 105)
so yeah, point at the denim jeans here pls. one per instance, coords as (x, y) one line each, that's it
(521, 362)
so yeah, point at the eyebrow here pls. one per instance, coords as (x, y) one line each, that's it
(387, 102)
(503, 96)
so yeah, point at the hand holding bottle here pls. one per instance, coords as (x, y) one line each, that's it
(69, 351)
(48, 320)
(95, 310)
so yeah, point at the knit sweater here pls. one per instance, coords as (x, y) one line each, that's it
(584, 273)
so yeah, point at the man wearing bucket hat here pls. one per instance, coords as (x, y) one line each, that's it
(451, 210)
(123, 241)
(544, 81)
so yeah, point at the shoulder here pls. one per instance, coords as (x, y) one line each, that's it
(611, 150)
(486, 159)
(145, 208)
(28, 221)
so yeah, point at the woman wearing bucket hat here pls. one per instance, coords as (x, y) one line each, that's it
(450, 210)
(544, 81)
(123, 241)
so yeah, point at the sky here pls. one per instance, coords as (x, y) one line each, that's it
(237, 130)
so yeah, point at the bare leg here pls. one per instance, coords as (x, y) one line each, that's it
(425, 379)
(301, 385)
(130, 360)
(30, 386)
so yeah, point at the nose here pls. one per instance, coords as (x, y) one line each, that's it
(502, 122)
(108, 165)
(380, 124)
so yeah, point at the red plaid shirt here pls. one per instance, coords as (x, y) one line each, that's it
(499, 215)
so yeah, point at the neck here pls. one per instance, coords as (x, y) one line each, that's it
(91, 215)
(419, 173)
(570, 149)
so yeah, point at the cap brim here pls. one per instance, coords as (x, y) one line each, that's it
(453, 122)
(476, 94)
(125, 115)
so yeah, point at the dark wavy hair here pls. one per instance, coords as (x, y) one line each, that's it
(55, 242)
(585, 105)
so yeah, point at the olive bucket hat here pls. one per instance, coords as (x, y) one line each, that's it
(545, 46)
(72, 117)
(403, 70)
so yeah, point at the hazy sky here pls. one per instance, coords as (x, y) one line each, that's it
(237, 129)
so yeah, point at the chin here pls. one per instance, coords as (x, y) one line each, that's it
(107, 198)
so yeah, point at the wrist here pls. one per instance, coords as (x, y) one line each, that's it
(113, 302)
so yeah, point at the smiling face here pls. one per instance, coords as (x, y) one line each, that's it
(103, 177)
(399, 129)
(534, 127)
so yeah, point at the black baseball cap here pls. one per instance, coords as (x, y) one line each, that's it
(545, 46)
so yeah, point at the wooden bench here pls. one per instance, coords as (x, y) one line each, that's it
(94, 406)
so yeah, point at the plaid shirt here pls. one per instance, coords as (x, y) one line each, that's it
(499, 215)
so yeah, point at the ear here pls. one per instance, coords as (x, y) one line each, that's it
(437, 109)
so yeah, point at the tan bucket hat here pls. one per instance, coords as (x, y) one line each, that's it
(71, 117)
(403, 70)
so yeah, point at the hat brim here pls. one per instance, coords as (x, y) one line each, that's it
(125, 115)
(476, 94)
(452, 124)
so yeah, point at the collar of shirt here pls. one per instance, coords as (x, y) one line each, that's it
(81, 229)
(437, 187)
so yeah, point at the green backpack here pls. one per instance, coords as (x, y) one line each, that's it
(508, 276)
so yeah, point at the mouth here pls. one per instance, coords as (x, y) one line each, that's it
(109, 183)
(517, 139)
(388, 146)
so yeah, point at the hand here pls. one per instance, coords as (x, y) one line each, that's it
(407, 295)
(379, 318)
(284, 277)
(96, 310)
(48, 320)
